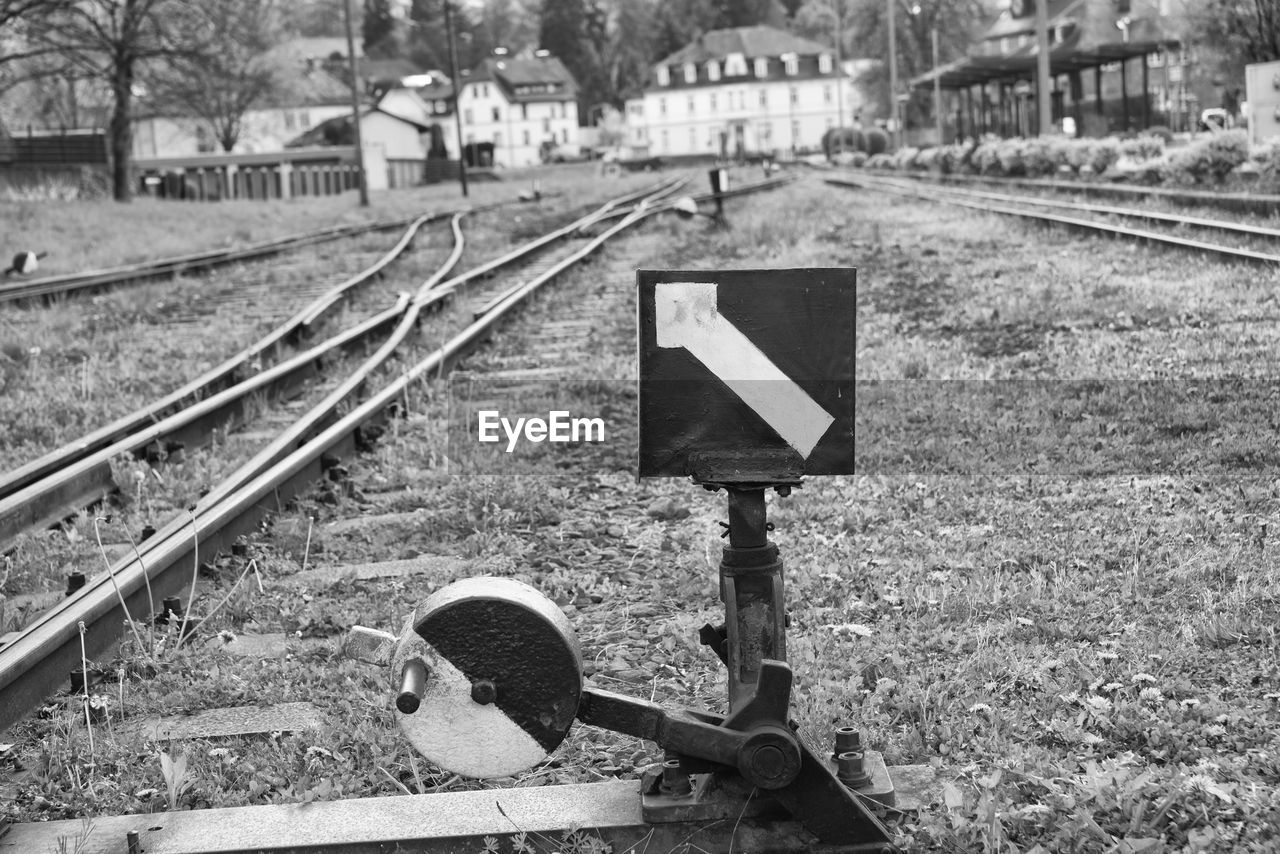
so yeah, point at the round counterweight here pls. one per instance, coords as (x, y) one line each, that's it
(504, 676)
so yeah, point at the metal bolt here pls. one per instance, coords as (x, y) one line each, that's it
(483, 691)
(847, 739)
(413, 682)
(850, 770)
(131, 840)
(148, 531)
(674, 781)
(172, 605)
(75, 581)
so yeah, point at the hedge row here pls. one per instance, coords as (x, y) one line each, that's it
(1144, 158)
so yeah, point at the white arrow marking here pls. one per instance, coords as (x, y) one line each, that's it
(687, 316)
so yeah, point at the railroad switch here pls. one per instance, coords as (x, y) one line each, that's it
(487, 679)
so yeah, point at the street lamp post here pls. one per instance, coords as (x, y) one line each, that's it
(355, 104)
(838, 8)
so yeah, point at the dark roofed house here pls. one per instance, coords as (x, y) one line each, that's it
(525, 107)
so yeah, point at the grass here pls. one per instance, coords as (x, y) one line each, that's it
(1091, 660)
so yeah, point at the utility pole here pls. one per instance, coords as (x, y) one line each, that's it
(893, 74)
(1043, 97)
(937, 80)
(355, 103)
(457, 95)
(838, 6)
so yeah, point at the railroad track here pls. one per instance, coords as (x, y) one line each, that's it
(352, 412)
(1261, 204)
(1085, 216)
(90, 280)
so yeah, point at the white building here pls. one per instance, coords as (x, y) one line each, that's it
(749, 90)
(513, 110)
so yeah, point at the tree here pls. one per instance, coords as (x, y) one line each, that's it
(112, 41)
(379, 29)
(228, 70)
(576, 31)
(1235, 33)
(865, 34)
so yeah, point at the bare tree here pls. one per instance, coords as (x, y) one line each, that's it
(226, 69)
(112, 41)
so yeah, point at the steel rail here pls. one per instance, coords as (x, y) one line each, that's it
(72, 282)
(1072, 222)
(1133, 213)
(220, 377)
(34, 664)
(87, 478)
(1258, 203)
(67, 480)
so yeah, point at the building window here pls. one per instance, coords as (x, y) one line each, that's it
(662, 106)
(764, 98)
(690, 72)
(824, 63)
(691, 109)
(289, 120)
(466, 115)
(735, 64)
(663, 76)
(795, 132)
(791, 63)
(795, 96)
(693, 139)
(664, 140)
(826, 95)
(713, 102)
(546, 125)
(497, 115)
(524, 112)
(713, 71)
(526, 136)
(497, 140)
(304, 119)
(564, 109)
(564, 134)
(762, 67)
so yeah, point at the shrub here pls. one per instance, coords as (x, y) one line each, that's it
(1038, 158)
(1103, 154)
(1009, 153)
(1214, 158)
(1161, 132)
(986, 158)
(904, 157)
(1142, 148)
(877, 141)
(1266, 158)
(858, 160)
(879, 161)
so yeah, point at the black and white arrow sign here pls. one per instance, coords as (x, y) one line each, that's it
(746, 365)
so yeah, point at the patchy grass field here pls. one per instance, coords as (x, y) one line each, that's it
(1090, 662)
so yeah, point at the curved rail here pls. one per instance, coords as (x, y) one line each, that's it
(964, 199)
(216, 379)
(35, 664)
(72, 282)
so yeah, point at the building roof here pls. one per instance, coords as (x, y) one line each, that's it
(542, 78)
(751, 42)
(1089, 37)
(337, 131)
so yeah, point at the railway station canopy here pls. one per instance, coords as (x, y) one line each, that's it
(1099, 36)
(1083, 34)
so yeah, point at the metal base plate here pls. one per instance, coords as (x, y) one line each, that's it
(720, 796)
